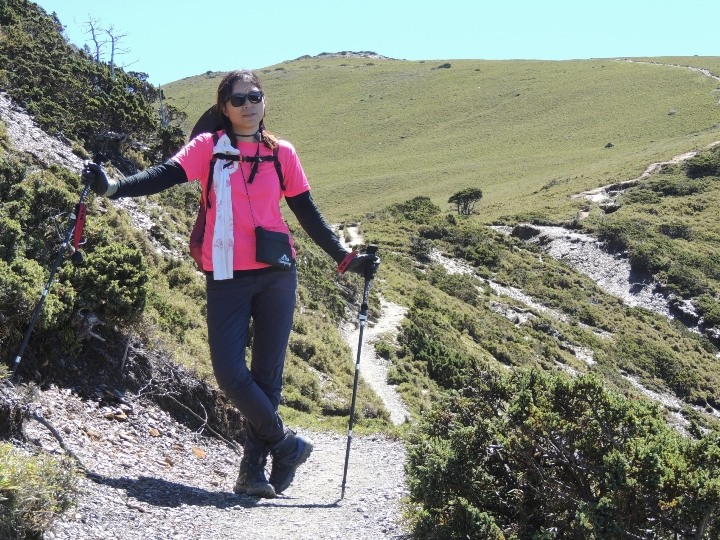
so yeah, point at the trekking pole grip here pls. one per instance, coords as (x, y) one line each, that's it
(370, 267)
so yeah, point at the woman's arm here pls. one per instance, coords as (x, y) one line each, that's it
(315, 225)
(151, 181)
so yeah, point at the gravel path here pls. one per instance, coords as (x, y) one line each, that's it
(150, 477)
(373, 369)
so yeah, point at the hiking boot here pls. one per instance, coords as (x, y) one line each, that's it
(287, 455)
(251, 479)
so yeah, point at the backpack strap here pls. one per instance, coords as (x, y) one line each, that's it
(256, 160)
(206, 195)
(278, 168)
(260, 159)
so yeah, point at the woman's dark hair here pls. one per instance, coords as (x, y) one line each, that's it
(223, 94)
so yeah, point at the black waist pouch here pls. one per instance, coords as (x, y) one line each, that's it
(273, 248)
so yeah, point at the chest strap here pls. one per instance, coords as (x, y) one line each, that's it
(255, 160)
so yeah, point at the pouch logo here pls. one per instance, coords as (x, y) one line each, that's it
(284, 260)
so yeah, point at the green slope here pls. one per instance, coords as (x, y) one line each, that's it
(376, 132)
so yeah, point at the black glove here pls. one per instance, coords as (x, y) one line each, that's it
(94, 175)
(365, 264)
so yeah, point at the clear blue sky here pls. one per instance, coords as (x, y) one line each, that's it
(170, 40)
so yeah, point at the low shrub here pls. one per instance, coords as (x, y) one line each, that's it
(461, 286)
(677, 230)
(10, 238)
(114, 281)
(34, 491)
(21, 284)
(420, 209)
(709, 309)
(12, 172)
(537, 455)
(703, 164)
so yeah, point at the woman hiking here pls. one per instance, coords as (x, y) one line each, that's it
(248, 258)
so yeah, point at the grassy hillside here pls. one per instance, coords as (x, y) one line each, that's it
(529, 134)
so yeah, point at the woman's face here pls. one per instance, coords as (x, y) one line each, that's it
(245, 118)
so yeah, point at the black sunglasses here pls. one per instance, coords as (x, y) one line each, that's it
(238, 100)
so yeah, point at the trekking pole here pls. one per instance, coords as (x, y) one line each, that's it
(362, 318)
(74, 232)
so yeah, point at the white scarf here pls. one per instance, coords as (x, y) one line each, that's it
(223, 238)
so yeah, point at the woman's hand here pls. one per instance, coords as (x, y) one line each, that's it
(94, 175)
(365, 264)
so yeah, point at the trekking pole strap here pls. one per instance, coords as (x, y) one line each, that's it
(346, 262)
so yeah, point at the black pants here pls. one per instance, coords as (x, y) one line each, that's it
(269, 298)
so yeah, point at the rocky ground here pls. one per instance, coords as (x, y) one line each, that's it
(148, 477)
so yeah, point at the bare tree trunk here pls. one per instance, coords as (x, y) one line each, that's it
(114, 41)
(92, 29)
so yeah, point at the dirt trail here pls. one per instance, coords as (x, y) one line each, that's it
(609, 193)
(373, 368)
(150, 477)
(703, 71)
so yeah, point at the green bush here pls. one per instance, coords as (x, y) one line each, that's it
(10, 236)
(295, 400)
(182, 276)
(703, 164)
(648, 257)
(677, 230)
(113, 283)
(420, 209)
(384, 349)
(677, 186)
(683, 279)
(34, 491)
(302, 390)
(461, 286)
(21, 285)
(16, 301)
(4, 139)
(12, 172)
(479, 246)
(173, 315)
(425, 340)
(709, 309)
(618, 233)
(546, 456)
(421, 249)
(303, 348)
(460, 521)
